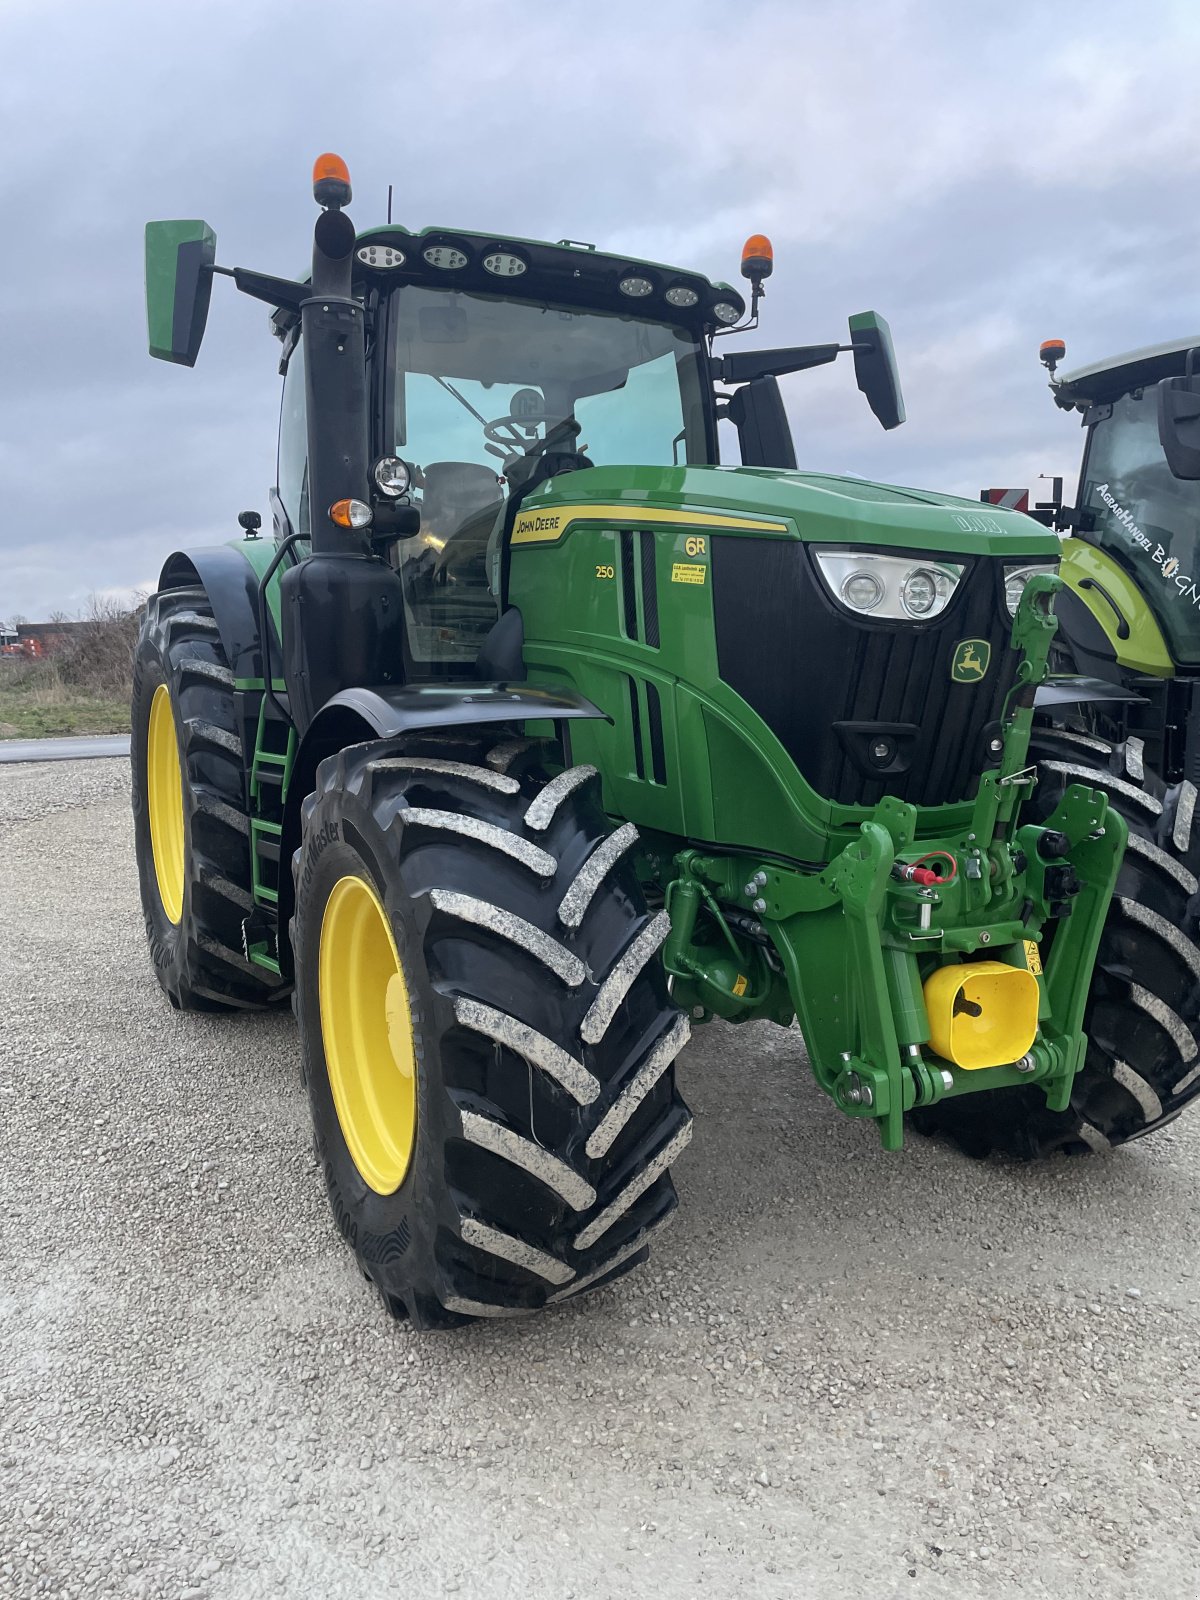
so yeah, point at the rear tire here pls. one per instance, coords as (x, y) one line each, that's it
(198, 953)
(537, 1015)
(1143, 1012)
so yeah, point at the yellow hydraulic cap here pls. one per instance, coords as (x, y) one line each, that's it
(981, 1013)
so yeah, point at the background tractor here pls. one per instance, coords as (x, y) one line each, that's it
(535, 736)
(1125, 716)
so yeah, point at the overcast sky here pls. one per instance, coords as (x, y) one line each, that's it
(984, 176)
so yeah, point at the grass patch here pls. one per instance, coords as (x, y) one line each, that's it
(82, 688)
(42, 711)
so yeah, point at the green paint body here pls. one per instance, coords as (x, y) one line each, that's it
(845, 951)
(736, 784)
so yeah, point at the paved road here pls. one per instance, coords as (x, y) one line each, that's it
(100, 744)
(843, 1373)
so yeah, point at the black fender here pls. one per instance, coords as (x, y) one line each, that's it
(407, 708)
(353, 716)
(231, 584)
(1073, 690)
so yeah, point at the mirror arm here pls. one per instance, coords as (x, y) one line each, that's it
(262, 286)
(745, 366)
(275, 291)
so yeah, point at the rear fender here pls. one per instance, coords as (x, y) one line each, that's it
(231, 584)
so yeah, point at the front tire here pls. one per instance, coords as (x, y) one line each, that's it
(487, 1038)
(191, 830)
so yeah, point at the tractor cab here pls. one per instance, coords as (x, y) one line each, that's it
(496, 365)
(495, 369)
(492, 366)
(1133, 559)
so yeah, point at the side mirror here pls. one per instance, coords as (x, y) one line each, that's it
(179, 263)
(875, 367)
(1179, 425)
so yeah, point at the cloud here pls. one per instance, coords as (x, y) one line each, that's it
(982, 176)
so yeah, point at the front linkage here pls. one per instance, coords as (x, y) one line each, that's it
(913, 983)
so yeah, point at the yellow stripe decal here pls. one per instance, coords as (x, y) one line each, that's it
(544, 527)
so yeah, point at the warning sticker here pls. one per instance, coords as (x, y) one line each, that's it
(688, 572)
(1033, 957)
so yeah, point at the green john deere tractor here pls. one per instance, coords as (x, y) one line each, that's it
(535, 736)
(1125, 716)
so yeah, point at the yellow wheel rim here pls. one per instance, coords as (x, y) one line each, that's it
(366, 1028)
(164, 786)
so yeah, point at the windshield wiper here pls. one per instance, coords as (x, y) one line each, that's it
(462, 400)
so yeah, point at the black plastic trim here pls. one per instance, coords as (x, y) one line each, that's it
(628, 585)
(404, 709)
(1073, 691)
(635, 728)
(650, 588)
(1122, 624)
(231, 584)
(658, 756)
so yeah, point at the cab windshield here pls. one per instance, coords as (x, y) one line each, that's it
(1145, 517)
(488, 395)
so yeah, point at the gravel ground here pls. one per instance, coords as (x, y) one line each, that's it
(843, 1373)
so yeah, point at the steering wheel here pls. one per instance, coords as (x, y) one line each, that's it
(509, 435)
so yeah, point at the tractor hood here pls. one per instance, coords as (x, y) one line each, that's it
(788, 505)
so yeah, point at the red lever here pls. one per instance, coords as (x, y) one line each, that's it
(925, 876)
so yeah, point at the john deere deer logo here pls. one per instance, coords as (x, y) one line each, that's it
(971, 659)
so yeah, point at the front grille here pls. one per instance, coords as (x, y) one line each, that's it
(639, 580)
(649, 588)
(833, 689)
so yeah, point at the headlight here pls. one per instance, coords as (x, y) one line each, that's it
(504, 264)
(380, 255)
(862, 590)
(445, 257)
(1015, 579)
(888, 586)
(392, 476)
